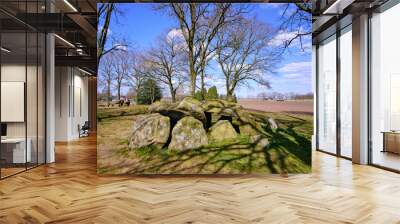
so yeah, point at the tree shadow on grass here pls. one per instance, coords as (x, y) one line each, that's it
(233, 158)
(288, 151)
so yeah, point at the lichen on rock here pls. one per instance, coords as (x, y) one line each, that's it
(187, 134)
(194, 107)
(150, 130)
(222, 130)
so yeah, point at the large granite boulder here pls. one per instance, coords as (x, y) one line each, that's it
(248, 130)
(187, 134)
(244, 116)
(221, 110)
(194, 107)
(211, 104)
(150, 130)
(169, 110)
(247, 123)
(161, 106)
(221, 106)
(222, 130)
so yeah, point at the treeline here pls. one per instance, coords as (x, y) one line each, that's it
(285, 96)
(208, 37)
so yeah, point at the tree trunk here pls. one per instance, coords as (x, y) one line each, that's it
(192, 85)
(102, 40)
(203, 88)
(137, 94)
(192, 76)
(192, 31)
(173, 93)
(119, 91)
(108, 93)
(152, 93)
(228, 91)
(229, 96)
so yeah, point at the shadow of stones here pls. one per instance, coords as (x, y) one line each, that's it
(242, 155)
(173, 163)
(215, 162)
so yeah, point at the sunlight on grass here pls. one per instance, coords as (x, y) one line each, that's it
(289, 149)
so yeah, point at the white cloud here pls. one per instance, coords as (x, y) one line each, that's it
(293, 77)
(282, 37)
(219, 82)
(299, 44)
(174, 33)
(122, 47)
(176, 36)
(296, 67)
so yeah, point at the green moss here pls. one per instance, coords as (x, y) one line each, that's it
(240, 140)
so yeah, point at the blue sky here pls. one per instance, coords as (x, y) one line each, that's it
(140, 25)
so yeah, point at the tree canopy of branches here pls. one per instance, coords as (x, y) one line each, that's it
(122, 67)
(168, 63)
(244, 52)
(138, 73)
(106, 76)
(199, 24)
(297, 19)
(106, 12)
(115, 71)
(205, 34)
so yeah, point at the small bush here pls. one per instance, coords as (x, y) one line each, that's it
(212, 93)
(198, 96)
(149, 92)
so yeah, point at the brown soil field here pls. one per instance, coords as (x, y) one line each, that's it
(289, 106)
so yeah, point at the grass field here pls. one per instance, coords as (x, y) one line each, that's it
(289, 150)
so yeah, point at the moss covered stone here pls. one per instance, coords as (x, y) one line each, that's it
(150, 130)
(187, 134)
(222, 130)
(248, 130)
(194, 107)
(161, 106)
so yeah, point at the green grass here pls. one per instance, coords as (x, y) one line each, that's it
(110, 112)
(289, 150)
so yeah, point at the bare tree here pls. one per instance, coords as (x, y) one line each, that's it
(106, 76)
(168, 63)
(122, 68)
(106, 11)
(138, 72)
(244, 53)
(296, 19)
(199, 24)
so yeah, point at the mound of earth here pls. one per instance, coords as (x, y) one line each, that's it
(192, 124)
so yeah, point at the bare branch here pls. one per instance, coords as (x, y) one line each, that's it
(244, 53)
